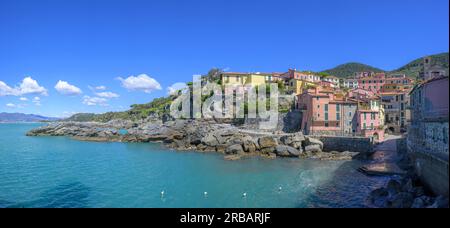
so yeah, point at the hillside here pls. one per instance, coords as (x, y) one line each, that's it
(158, 106)
(349, 69)
(413, 68)
(21, 117)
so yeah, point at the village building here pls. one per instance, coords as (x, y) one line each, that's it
(372, 83)
(331, 79)
(368, 124)
(350, 83)
(397, 115)
(365, 74)
(430, 70)
(326, 112)
(428, 134)
(305, 76)
(296, 86)
(252, 79)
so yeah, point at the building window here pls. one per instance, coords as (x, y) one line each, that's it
(365, 116)
(326, 124)
(338, 116)
(350, 114)
(338, 108)
(326, 116)
(371, 125)
(326, 108)
(364, 126)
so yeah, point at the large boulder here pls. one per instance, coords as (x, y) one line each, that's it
(379, 197)
(286, 151)
(402, 200)
(312, 141)
(234, 149)
(422, 202)
(440, 202)
(294, 152)
(210, 140)
(313, 149)
(393, 187)
(249, 146)
(267, 142)
(293, 140)
(282, 151)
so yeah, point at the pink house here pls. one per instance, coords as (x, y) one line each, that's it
(317, 113)
(295, 74)
(368, 124)
(360, 94)
(372, 83)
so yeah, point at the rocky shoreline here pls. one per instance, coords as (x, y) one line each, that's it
(197, 135)
(406, 192)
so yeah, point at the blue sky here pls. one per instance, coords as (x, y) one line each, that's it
(151, 45)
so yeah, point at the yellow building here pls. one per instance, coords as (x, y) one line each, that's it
(296, 86)
(253, 79)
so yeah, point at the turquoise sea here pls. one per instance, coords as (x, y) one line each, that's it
(61, 172)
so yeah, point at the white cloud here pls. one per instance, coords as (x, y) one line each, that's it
(107, 95)
(31, 86)
(100, 87)
(37, 101)
(173, 89)
(28, 86)
(23, 99)
(93, 101)
(65, 88)
(140, 83)
(11, 105)
(97, 88)
(5, 90)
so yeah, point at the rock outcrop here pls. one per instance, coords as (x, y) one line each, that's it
(405, 193)
(203, 136)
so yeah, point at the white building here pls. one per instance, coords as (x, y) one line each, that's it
(332, 79)
(349, 83)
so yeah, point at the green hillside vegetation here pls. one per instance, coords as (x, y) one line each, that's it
(348, 70)
(158, 106)
(413, 68)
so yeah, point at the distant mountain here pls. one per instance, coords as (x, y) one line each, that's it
(20, 117)
(349, 69)
(413, 68)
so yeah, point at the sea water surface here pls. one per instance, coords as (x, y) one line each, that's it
(61, 172)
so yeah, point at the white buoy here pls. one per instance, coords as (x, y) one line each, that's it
(162, 193)
(244, 195)
(279, 189)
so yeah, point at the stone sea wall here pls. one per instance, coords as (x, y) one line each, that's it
(427, 145)
(346, 143)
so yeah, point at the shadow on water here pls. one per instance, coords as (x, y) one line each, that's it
(346, 188)
(71, 195)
